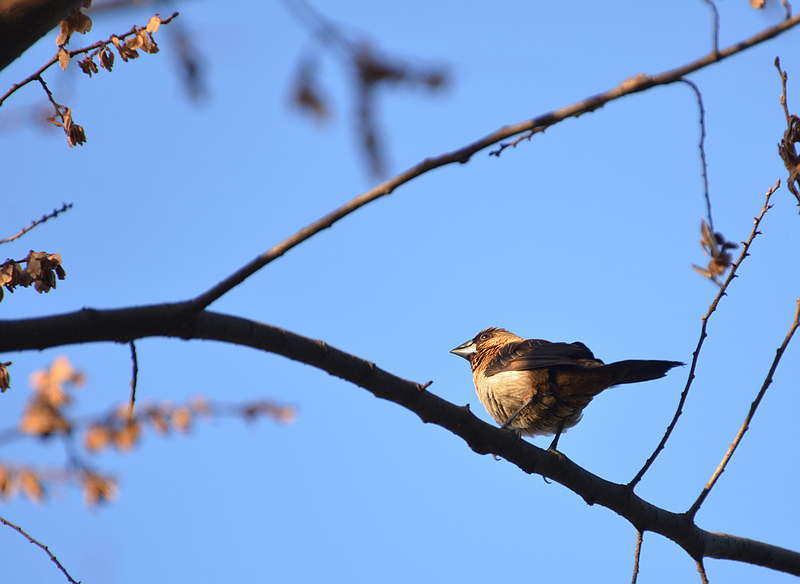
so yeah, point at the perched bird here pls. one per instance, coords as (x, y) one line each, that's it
(539, 388)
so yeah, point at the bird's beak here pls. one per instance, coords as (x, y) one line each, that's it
(466, 350)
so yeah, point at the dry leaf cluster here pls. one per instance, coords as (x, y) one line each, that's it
(122, 430)
(716, 246)
(44, 415)
(127, 45)
(138, 39)
(77, 21)
(75, 133)
(96, 487)
(370, 71)
(791, 136)
(41, 269)
(788, 153)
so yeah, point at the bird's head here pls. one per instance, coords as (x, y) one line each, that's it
(485, 340)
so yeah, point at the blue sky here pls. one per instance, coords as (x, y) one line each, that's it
(587, 232)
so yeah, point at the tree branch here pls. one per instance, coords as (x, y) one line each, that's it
(753, 407)
(713, 307)
(37, 75)
(41, 545)
(33, 224)
(171, 320)
(640, 82)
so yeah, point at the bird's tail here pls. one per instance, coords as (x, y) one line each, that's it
(634, 371)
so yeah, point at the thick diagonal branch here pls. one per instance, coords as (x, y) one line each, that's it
(171, 320)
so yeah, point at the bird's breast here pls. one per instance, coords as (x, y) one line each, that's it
(503, 393)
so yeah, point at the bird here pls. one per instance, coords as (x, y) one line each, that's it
(538, 388)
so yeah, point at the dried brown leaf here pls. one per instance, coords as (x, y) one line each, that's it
(42, 419)
(30, 485)
(6, 482)
(181, 419)
(716, 246)
(63, 58)
(88, 66)
(75, 22)
(106, 58)
(287, 415)
(62, 371)
(76, 136)
(199, 404)
(63, 35)
(157, 420)
(83, 23)
(134, 42)
(5, 376)
(97, 489)
(7, 273)
(308, 95)
(127, 53)
(149, 45)
(126, 438)
(153, 24)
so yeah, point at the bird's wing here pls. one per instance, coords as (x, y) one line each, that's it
(537, 354)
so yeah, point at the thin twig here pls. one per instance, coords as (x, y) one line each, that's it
(639, 537)
(746, 425)
(37, 75)
(134, 376)
(44, 547)
(702, 570)
(635, 84)
(49, 95)
(702, 149)
(788, 8)
(33, 224)
(716, 24)
(784, 78)
(745, 248)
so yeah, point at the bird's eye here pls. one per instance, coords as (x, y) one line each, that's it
(485, 336)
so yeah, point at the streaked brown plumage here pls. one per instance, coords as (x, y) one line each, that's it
(536, 387)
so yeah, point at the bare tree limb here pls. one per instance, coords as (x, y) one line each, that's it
(640, 82)
(41, 545)
(171, 320)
